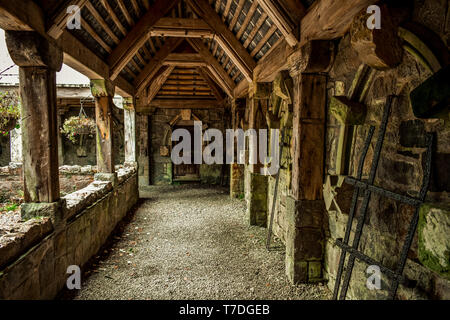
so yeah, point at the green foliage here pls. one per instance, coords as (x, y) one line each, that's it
(9, 207)
(241, 196)
(9, 111)
(74, 127)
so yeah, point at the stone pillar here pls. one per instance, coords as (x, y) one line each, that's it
(103, 92)
(305, 206)
(38, 62)
(255, 183)
(16, 146)
(144, 146)
(236, 169)
(130, 131)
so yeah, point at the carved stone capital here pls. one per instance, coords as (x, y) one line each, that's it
(102, 88)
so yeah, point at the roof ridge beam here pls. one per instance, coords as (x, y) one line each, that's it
(137, 37)
(225, 38)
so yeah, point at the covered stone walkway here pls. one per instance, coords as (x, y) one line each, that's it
(191, 242)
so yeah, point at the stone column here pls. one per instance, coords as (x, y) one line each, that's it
(129, 104)
(38, 62)
(236, 169)
(103, 92)
(305, 206)
(16, 147)
(255, 183)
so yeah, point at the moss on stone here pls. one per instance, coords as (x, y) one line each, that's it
(427, 257)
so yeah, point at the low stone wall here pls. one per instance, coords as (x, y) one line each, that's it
(33, 263)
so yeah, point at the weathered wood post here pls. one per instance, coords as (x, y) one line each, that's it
(103, 92)
(129, 107)
(38, 62)
(256, 183)
(305, 206)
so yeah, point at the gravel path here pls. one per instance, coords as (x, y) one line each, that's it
(191, 242)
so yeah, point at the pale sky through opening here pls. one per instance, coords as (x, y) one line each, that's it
(67, 75)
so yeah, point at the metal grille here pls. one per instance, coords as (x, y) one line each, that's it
(367, 188)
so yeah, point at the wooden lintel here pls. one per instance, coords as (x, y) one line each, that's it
(184, 59)
(82, 59)
(27, 16)
(186, 103)
(182, 28)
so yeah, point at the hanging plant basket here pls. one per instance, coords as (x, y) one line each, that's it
(77, 128)
(9, 112)
(8, 124)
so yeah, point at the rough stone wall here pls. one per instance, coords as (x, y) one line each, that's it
(161, 166)
(401, 170)
(143, 149)
(279, 227)
(33, 264)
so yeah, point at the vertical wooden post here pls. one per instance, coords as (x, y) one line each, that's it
(103, 92)
(38, 62)
(129, 106)
(305, 207)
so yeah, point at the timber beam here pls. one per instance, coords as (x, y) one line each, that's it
(282, 20)
(149, 71)
(225, 38)
(137, 37)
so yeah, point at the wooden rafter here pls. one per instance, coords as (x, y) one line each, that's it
(125, 12)
(214, 66)
(236, 14)
(282, 20)
(59, 19)
(187, 103)
(247, 19)
(204, 73)
(255, 29)
(82, 59)
(102, 22)
(227, 9)
(136, 7)
(86, 26)
(158, 81)
(156, 63)
(264, 40)
(114, 17)
(226, 39)
(137, 37)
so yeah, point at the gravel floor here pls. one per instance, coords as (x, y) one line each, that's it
(190, 242)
